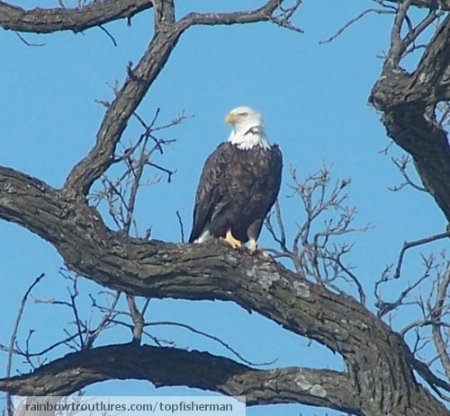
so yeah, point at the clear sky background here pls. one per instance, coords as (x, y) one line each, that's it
(314, 101)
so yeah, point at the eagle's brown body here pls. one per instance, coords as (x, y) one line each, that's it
(237, 188)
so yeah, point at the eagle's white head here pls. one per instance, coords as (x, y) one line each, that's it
(248, 128)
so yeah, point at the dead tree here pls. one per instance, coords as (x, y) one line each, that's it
(381, 369)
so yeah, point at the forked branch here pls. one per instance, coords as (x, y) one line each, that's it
(139, 80)
(408, 100)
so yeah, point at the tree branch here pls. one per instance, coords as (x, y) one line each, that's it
(437, 315)
(41, 20)
(175, 367)
(408, 102)
(264, 13)
(139, 80)
(376, 357)
(410, 244)
(119, 112)
(380, 376)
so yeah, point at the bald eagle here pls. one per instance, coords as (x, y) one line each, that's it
(238, 185)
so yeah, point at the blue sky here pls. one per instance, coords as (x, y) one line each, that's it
(314, 101)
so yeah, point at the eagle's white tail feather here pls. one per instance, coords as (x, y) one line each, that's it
(204, 236)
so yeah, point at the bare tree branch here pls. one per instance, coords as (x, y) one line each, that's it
(354, 20)
(402, 164)
(408, 102)
(96, 13)
(381, 371)
(167, 33)
(410, 244)
(121, 109)
(437, 313)
(13, 338)
(211, 337)
(174, 367)
(314, 251)
(157, 269)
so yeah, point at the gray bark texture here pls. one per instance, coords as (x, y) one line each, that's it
(379, 378)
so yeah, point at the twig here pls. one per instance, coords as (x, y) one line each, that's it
(148, 130)
(29, 43)
(91, 336)
(13, 337)
(211, 337)
(436, 313)
(343, 28)
(163, 169)
(180, 223)
(108, 34)
(281, 239)
(414, 32)
(27, 354)
(402, 164)
(410, 244)
(386, 307)
(354, 279)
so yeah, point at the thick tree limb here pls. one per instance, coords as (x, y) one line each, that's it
(175, 367)
(127, 100)
(139, 80)
(377, 358)
(78, 19)
(380, 379)
(41, 20)
(407, 101)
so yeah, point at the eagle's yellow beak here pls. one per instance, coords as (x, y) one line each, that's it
(230, 118)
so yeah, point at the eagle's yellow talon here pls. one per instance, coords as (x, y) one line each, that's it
(231, 241)
(265, 255)
(254, 250)
(252, 246)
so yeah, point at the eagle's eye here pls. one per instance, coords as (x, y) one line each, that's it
(243, 114)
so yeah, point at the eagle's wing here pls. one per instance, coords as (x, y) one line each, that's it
(210, 190)
(262, 198)
(274, 180)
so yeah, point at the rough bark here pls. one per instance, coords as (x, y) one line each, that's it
(377, 360)
(379, 378)
(174, 367)
(77, 19)
(407, 101)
